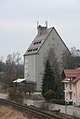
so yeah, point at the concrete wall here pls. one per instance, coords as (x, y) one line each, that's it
(30, 67)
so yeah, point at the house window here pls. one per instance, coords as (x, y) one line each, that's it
(34, 49)
(38, 42)
(70, 96)
(70, 86)
(29, 50)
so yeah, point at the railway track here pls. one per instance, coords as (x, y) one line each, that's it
(40, 114)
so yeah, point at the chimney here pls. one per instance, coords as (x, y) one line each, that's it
(41, 28)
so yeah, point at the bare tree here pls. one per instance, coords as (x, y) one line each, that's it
(13, 68)
(69, 61)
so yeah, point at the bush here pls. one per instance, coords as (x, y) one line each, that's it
(19, 98)
(49, 95)
(13, 95)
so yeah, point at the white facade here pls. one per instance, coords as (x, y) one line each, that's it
(72, 86)
(72, 95)
(39, 48)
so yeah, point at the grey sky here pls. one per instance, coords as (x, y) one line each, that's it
(18, 20)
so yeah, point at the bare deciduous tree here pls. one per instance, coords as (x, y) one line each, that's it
(69, 61)
(13, 68)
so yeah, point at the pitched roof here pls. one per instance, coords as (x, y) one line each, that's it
(71, 73)
(76, 79)
(38, 41)
(19, 80)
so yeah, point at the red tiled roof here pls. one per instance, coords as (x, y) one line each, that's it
(71, 73)
(76, 79)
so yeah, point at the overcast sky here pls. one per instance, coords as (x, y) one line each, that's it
(18, 22)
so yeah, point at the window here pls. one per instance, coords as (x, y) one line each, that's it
(29, 50)
(70, 96)
(38, 42)
(34, 49)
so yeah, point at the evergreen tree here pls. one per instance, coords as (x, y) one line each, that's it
(48, 78)
(57, 69)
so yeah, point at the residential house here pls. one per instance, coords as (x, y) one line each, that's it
(71, 82)
(45, 39)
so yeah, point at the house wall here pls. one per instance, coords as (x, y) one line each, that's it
(75, 90)
(78, 92)
(30, 67)
(68, 90)
(74, 93)
(66, 85)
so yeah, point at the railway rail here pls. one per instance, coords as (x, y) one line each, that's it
(40, 114)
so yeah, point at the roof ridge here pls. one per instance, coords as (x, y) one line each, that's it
(38, 41)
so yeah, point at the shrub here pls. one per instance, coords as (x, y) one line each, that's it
(19, 98)
(49, 95)
(13, 95)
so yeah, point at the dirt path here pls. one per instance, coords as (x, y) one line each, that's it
(10, 113)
